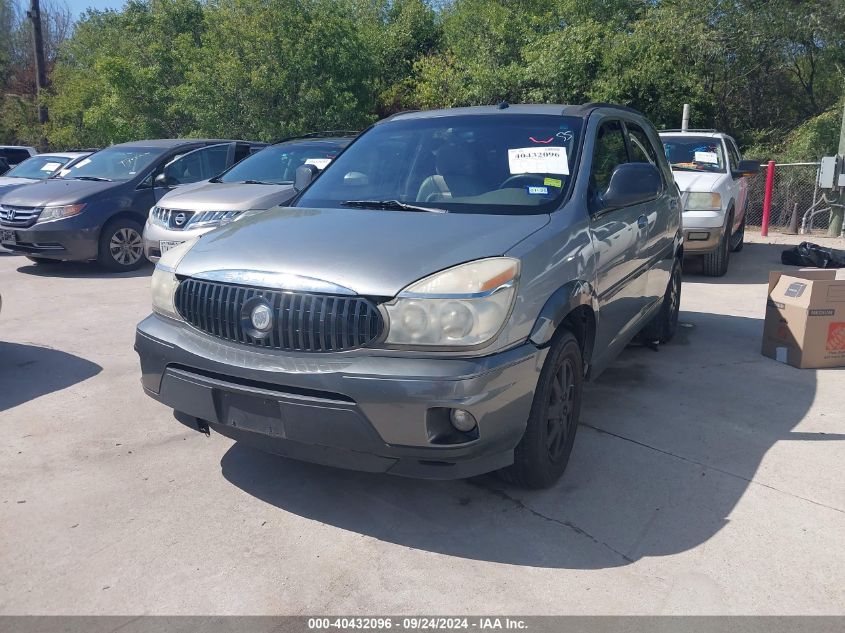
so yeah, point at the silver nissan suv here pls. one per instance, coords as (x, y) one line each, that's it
(433, 301)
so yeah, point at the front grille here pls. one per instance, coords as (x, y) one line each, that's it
(11, 215)
(180, 219)
(302, 322)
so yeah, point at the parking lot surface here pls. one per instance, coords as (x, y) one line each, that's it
(705, 479)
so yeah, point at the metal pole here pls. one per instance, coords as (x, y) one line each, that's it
(685, 118)
(767, 199)
(836, 213)
(34, 14)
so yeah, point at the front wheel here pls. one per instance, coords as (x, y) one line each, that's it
(716, 263)
(739, 238)
(121, 246)
(543, 452)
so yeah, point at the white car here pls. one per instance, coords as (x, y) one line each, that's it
(38, 167)
(711, 175)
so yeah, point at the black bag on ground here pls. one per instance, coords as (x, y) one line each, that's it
(808, 254)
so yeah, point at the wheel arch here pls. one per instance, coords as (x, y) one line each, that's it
(574, 307)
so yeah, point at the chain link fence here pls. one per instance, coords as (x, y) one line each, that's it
(795, 193)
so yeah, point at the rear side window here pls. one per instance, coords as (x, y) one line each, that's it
(609, 153)
(199, 165)
(14, 156)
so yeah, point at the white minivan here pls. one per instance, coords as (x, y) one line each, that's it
(711, 175)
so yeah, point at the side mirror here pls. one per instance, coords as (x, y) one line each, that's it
(747, 168)
(630, 184)
(304, 175)
(162, 181)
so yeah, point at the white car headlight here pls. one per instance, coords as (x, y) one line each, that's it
(57, 213)
(463, 306)
(164, 281)
(703, 201)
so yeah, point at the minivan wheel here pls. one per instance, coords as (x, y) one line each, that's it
(716, 263)
(121, 245)
(664, 324)
(541, 456)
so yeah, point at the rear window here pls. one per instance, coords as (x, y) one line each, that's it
(694, 153)
(499, 164)
(13, 155)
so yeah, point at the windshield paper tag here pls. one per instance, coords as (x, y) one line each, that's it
(534, 190)
(319, 163)
(83, 162)
(553, 182)
(706, 157)
(51, 166)
(538, 160)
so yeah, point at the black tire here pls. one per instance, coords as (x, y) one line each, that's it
(663, 326)
(542, 454)
(738, 241)
(121, 245)
(40, 261)
(716, 263)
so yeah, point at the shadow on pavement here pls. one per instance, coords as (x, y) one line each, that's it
(669, 442)
(28, 372)
(81, 270)
(750, 266)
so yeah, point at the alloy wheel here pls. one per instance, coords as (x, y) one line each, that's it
(560, 410)
(126, 246)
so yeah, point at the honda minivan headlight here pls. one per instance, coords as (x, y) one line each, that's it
(463, 306)
(164, 281)
(704, 201)
(58, 213)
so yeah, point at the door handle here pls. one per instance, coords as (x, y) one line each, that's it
(642, 222)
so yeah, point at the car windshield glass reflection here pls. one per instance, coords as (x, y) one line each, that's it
(38, 167)
(499, 164)
(114, 163)
(694, 153)
(276, 165)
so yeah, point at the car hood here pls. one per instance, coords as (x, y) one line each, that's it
(696, 180)
(226, 196)
(53, 192)
(9, 181)
(375, 253)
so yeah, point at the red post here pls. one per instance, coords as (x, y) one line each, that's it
(767, 198)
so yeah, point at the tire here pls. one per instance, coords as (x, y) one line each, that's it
(716, 263)
(664, 324)
(42, 261)
(542, 454)
(121, 246)
(738, 241)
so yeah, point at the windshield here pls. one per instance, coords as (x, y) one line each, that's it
(694, 153)
(38, 167)
(276, 165)
(114, 163)
(498, 164)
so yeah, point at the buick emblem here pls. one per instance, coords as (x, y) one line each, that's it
(262, 317)
(179, 219)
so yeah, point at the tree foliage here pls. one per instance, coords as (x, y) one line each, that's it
(772, 72)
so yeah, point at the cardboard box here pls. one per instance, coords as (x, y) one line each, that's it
(805, 318)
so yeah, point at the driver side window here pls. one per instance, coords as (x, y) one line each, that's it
(609, 153)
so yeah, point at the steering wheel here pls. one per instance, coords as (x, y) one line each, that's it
(527, 179)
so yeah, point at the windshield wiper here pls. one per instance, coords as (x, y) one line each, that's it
(390, 205)
(96, 178)
(257, 182)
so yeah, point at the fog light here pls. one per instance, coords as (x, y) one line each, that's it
(462, 420)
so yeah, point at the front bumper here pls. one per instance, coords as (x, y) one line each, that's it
(59, 240)
(357, 410)
(154, 234)
(703, 230)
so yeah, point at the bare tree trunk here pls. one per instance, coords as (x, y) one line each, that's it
(34, 14)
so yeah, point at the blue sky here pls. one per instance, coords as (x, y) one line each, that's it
(78, 7)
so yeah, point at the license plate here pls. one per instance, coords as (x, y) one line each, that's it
(166, 245)
(8, 237)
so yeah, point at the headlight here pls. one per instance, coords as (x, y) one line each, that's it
(57, 213)
(459, 307)
(158, 216)
(164, 282)
(701, 201)
(211, 219)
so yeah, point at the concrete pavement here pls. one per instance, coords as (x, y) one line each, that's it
(705, 479)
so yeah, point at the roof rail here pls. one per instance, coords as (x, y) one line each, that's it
(690, 129)
(322, 134)
(585, 108)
